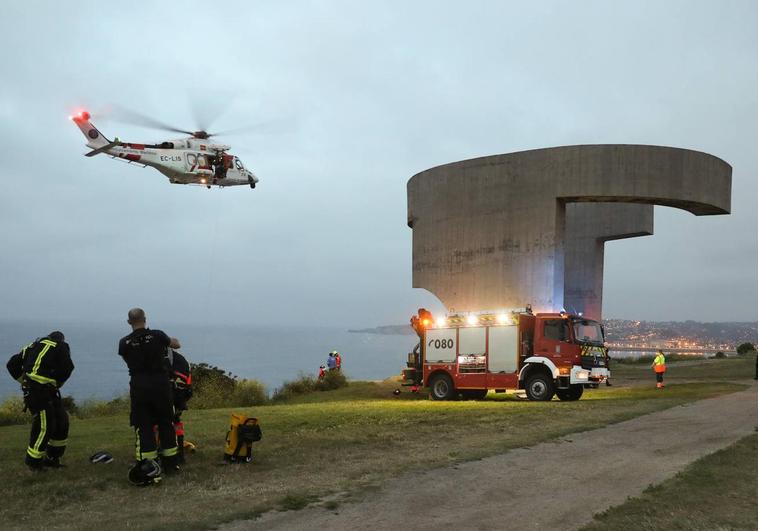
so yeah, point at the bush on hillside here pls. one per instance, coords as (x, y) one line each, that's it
(304, 384)
(12, 411)
(331, 380)
(308, 384)
(248, 393)
(213, 387)
(69, 404)
(104, 408)
(744, 348)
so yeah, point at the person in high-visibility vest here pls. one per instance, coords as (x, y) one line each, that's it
(659, 366)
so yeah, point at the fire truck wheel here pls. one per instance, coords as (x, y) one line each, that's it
(442, 387)
(539, 387)
(473, 394)
(572, 393)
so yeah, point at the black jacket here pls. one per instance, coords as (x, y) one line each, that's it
(44, 361)
(182, 379)
(145, 353)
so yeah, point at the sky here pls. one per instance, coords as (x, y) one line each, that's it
(352, 99)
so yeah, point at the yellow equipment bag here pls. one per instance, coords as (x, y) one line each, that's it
(243, 432)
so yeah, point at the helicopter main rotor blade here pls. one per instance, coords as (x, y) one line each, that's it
(123, 114)
(208, 107)
(259, 127)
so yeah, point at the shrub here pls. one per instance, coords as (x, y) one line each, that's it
(69, 404)
(12, 411)
(213, 387)
(744, 348)
(104, 408)
(719, 355)
(331, 380)
(308, 384)
(304, 384)
(248, 393)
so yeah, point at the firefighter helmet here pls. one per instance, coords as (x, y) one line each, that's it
(101, 457)
(145, 472)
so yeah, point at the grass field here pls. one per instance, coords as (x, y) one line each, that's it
(330, 446)
(696, 369)
(718, 491)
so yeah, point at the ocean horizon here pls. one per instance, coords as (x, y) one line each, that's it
(270, 354)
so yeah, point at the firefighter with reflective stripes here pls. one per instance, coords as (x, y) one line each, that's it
(659, 366)
(151, 394)
(42, 368)
(182, 383)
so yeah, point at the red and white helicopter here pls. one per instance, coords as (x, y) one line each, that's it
(193, 160)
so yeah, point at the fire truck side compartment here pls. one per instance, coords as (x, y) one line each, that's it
(503, 349)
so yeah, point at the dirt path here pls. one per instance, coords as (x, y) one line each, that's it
(553, 485)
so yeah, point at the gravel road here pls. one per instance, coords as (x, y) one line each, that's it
(554, 485)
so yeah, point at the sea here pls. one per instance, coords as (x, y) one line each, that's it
(271, 355)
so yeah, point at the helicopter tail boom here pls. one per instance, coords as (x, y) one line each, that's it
(103, 149)
(95, 139)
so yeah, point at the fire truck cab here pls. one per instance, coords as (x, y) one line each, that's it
(545, 354)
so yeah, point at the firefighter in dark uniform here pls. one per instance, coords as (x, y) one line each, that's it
(150, 391)
(42, 368)
(422, 321)
(182, 383)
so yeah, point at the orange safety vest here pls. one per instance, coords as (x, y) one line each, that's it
(659, 363)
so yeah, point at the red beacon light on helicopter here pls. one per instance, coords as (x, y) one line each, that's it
(81, 116)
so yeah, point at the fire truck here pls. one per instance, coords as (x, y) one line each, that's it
(545, 354)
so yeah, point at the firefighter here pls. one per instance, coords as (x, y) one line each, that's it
(150, 391)
(42, 368)
(182, 385)
(420, 322)
(659, 366)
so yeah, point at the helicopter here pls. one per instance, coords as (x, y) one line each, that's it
(194, 160)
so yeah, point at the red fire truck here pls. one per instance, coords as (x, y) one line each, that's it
(545, 354)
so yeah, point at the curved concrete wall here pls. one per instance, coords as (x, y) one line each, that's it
(588, 227)
(489, 233)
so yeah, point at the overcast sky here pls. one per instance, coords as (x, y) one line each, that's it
(356, 97)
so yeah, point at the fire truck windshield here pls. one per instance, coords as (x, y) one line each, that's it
(588, 332)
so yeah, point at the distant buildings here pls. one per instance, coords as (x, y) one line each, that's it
(679, 335)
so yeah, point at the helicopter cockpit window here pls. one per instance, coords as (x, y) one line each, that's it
(237, 163)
